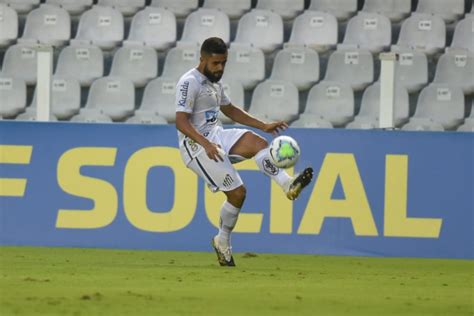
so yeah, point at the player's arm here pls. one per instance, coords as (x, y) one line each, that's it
(240, 116)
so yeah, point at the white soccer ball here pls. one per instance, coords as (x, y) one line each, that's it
(284, 151)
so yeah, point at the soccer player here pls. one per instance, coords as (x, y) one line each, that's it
(209, 150)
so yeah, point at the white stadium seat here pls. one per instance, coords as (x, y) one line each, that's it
(235, 91)
(245, 64)
(456, 68)
(464, 34)
(468, 125)
(8, 25)
(137, 63)
(423, 124)
(233, 8)
(91, 116)
(84, 63)
(311, 121)
(332, 102)
(49, 25)
(411, 69)
(204, 23)
(352, 66)
(154, 27)
(449, 10)
(159, 99)
(100, 26)
(179, 60)
(261, 28)
(181, 8)
(74, 7)
(275, 100)
(22, 6)
(341, 9)
(30, 115)
(126, 7)
(12, 96)
(115, 96)
(299, 65)
(287, 9)
(395, 10)
(317, 30)
(146, 118)
(20, 61)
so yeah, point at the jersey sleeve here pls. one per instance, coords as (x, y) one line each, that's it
(187, 91)
(225, 100)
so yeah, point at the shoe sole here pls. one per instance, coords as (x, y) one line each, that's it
(301, 182)
(220, 257)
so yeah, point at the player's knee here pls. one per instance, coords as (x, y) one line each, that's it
(241, 193)
(236, 197)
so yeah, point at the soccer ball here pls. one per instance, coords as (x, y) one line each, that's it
(284, 151)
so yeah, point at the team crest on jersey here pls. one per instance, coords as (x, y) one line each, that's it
(227, 180)
(183, 89)
(211, 116)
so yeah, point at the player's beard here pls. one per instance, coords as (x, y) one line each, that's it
(212, 76)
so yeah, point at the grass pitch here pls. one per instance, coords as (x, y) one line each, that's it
(59, 281)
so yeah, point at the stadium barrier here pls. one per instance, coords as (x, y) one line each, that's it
(377, 193)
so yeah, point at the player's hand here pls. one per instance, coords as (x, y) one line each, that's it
(213, 151)
(275, 127)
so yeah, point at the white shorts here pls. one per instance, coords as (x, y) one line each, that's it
(220, 175)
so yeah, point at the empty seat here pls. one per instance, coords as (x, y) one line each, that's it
(287, 9)
(423, 124)
(179, 60)
(159, 99)
(332, 102)
(20, 61)
(449, 10)
(468, 125)
(411, 69)
(441, 103)
(205, 23)
(370, 31)
(299, 65)
(91, 116)
(456, 68)
(395, 10)
(352, 66)
(369, 114)
(115, 96)
(48, 24)
(341, 9)
(8, 25)
(84, 63)
(126, 7)
(22, 6)
(30, 115)
(181, 8)
(423, 32)
(311, 121)
(245, 64)
(12, 96)
(275, 100)
(137, 63)
(74, 7)
(146, 118)
(154, 27)
(261, 28)
(317, 30)
(464, 34)
(234, 9)
(100, 26)
(235, 91)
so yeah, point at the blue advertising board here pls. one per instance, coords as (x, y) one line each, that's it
(377, 193)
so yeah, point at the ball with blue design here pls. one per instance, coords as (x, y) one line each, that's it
(284, 151)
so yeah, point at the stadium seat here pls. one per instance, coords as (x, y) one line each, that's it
(370, 31)
(154, 27)
(395, 10)
(441, 103)
(115, 96)
(204, 23)
(91, 116)
(146, 118)
(287, 9)
(137, 63)
(84, 63)
(179, 60)
(126, 7)
(12, 96)
(30, 115)
(22, 6)
(275, 100)
(74, 7)
(332, 102)
(235, 91)
(100, 26)
(181, 8)
(317, 30)
(464, 34)
(369, 114)
(468, 125)
(351, 66)
(341, 9)
(423, 124)
(423, 32)
(48, 24)
(20, 61)
(8, 25)
(245, 64)
(311, 121)
(448, 10)
(456, 67)
(261, 28)
(65, 97)
(234, 9)
(299, 65)
(411, 69)
(159, 100)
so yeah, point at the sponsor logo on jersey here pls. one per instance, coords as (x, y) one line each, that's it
(184, 93)
(211, 116)
(270, 167)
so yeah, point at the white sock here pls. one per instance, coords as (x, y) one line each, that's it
(228, 219)
(265, 165)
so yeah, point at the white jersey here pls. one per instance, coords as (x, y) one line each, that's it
(201, 98)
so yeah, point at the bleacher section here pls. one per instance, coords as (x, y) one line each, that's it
(312, 62)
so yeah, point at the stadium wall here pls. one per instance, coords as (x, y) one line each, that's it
(378, 193)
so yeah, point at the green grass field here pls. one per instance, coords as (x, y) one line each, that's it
(58, 281)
